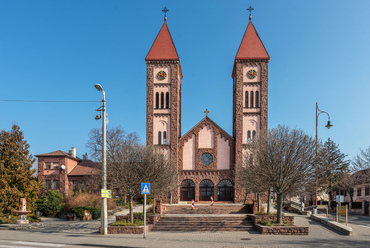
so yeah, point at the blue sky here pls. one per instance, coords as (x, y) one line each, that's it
(58, 50)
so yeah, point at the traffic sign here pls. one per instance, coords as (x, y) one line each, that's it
(145, 188)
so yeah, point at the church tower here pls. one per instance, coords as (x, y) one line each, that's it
(164, 76)
(250, 92)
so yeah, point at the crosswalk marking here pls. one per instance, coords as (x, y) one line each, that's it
(38, 244)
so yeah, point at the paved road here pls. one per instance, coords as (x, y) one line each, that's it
(84, 234)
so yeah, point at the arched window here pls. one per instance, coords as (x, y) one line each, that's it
(165, 137)
(225, 190)
(162, 100)
(253, 134)
(187, 192)
(159, 138)
(257, 99)
(248, 137)
(252, 97)
(246, 99)
(156, 100)
(167, 100)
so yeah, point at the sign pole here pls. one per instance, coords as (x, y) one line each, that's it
(144, 216)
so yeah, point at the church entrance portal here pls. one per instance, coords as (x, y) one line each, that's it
(206, 190)
(225, 191)
(187, 190)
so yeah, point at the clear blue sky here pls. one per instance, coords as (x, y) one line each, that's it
(58, 50)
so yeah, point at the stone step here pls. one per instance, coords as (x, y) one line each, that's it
(205, 219)
(204, 229)
(239, 209)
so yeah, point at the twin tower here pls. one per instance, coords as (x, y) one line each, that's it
(206, 157)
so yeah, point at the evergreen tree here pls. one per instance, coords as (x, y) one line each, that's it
(16, 179)
(331, 166)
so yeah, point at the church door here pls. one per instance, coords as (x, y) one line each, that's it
(206, 190)
(225, 191)
(187, 190)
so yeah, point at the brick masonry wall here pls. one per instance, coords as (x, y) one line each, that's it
(283, 230)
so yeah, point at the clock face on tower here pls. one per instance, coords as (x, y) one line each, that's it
(251, 74)
(206, 158)
(161, 75)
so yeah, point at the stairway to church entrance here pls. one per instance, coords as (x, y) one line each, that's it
(220, 217)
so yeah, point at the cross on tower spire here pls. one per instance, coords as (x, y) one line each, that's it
(206, 112)
(165, 10)
(250, 9)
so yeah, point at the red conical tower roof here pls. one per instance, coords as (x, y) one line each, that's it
(163, 47)
(251, 46)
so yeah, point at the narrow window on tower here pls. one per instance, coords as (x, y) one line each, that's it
(252, 96)
(249, 137)
(257, 99)
(164, 137)
(159, 138)
(157, 100)
(246, 99)
(253, 134)
(162, 100)
(167, 100)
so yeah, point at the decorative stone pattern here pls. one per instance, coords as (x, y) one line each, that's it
(282, 230)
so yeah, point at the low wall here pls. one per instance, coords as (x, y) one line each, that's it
(127, 229)
(151, 219)
(333, 224)
(282, 230)
(258, 218)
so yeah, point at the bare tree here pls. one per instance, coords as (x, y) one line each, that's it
(282, 159)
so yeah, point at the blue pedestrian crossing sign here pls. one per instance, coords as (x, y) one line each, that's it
(145, 188)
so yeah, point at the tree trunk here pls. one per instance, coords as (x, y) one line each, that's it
(153, 203)
(170, 197)
(259, 202)
(279, 208)
(131, 209)
(268, 201)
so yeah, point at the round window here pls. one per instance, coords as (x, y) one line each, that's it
(206, 158)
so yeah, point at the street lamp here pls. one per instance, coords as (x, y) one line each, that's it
(328, 125)
(104, 212)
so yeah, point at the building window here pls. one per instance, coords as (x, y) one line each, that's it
(359, 191)
(84, 185)
(75, 185)
(157, 100)
(48, 184)
(56, 184)
(253, 134)
(162, 100)
(47, 166)
(367, 190)
(257, 99)
(56, 165)
(246, 99)
(167, 100)
(159, 138)
(248, 137)
(164, 137)
(252, 97)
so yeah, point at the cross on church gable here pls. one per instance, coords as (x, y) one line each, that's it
(206, 112)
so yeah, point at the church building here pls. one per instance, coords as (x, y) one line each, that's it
(206, 156)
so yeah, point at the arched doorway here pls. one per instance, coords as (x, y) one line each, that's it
(187, 190)
(206, 190)
(225, 191)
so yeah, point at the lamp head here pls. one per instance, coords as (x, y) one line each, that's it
(98, 87)
(328, 125)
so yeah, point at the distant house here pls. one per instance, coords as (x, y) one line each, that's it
(66, 172)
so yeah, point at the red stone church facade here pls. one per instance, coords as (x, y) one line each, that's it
(206, 156)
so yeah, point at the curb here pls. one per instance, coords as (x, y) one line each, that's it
(333, 224)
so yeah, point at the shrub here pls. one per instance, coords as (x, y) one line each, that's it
(87, 200)
(51, 203)
(266, 222)
(128, 223)
(80, 211)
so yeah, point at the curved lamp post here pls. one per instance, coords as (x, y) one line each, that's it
(104, 212)
(319, 112)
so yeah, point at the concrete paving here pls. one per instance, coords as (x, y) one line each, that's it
(84, 233)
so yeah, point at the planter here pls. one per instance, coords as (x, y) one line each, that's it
(258, 218)
(151, 219)
(282, 230)
(127, 229)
